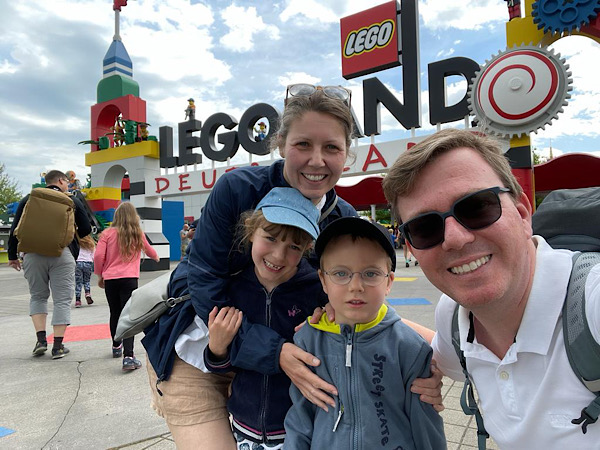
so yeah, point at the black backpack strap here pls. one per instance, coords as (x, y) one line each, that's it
(467, 397)
(582, 349)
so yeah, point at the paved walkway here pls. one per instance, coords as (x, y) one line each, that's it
(85, 400)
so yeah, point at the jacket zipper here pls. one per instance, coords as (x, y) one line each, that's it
(263, 411)
(349, 335)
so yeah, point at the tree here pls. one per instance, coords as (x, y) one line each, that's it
(9, 191)
(536, 157)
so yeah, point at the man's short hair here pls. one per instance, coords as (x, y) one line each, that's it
(403, 175)
(54, 176)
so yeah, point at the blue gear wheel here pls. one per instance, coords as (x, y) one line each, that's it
(564, 16)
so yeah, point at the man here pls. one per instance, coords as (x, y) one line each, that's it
(192, 231)
(468, 222)
(185, 240)
(47, 272)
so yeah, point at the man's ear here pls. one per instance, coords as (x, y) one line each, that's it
(525, 210)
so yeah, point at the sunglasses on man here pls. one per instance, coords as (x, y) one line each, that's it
(306, 90)
(474, 211)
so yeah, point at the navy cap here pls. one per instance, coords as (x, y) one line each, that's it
(287, 206)
(356, 226)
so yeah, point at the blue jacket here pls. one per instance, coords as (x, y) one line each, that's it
(260, 391)
(372, 367)
(213, 259)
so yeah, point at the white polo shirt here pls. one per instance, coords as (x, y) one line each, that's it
(529, 398)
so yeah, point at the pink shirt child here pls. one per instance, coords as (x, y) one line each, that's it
(108, 262)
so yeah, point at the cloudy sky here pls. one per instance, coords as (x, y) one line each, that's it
(229, 55)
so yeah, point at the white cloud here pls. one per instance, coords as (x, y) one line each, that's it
(445, 14)
(244, 24)
(177, 31)
(7, 67)
(308, 12)
(297, 77)
(445, 53)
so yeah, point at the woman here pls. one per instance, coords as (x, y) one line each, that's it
(314, 139)
(117, 264)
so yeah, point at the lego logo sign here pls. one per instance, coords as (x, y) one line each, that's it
(370, 40)
(378, 35)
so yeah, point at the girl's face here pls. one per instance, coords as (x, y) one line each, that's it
(275, 260)
(315, 154)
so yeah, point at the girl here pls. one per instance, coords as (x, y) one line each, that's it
(83, 269)
(117, 264)
(276, 292)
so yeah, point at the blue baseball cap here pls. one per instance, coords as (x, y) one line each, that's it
(287, 206)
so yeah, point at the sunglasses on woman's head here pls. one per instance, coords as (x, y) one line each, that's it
(474, 212)
(306, 90)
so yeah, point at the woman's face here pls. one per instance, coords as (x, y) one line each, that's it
(315, 154)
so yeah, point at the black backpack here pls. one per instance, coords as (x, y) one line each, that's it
(569, 219)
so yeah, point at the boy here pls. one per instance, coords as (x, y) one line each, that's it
(367, 353)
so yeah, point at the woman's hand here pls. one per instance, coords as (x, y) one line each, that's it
(223, 325)
(100, 282)
(293, 361)
(430, 389)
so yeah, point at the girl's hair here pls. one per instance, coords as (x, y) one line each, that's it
(297, 106)
(87, 242)
(129, 231)
(252, 220)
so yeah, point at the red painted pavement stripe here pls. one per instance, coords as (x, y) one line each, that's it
(85, 333)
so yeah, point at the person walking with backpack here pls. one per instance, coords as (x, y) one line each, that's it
(49, 256)
(84, 269)
(468, 221)
(117, 264)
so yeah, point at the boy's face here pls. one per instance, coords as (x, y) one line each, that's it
(355, 302)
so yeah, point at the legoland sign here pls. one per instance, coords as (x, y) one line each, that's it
(369, 40)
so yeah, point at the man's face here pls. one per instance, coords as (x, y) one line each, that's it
(503, 253)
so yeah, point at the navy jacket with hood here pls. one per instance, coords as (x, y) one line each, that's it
(260, 391)
(213, 260)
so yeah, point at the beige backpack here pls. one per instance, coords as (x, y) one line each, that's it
(47, 225)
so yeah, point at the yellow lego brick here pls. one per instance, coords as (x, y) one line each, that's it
(144, 148)
(102, 193)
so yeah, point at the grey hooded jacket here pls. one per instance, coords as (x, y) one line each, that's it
(372, 368)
